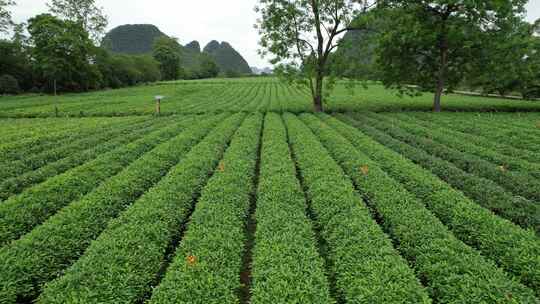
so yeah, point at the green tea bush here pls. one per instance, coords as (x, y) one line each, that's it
(514, 249)
(141, 235)
(452, 271)
(287, 267)
(364, 264)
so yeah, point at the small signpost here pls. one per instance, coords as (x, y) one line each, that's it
(158, 104)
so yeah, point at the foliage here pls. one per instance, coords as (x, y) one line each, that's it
(508, 63)
(9, 85)
(433, 45)
(488, 193)
(502, 241)
(166, 205)
(83, 219)
(85, 12)
(46, 200)
(206, 266)
(420, 236)
(301, 36)
(208, 68)
(141, 209)
(62, 53)
(283, 223)
(168, 52)
(263, 94)
(65, 157)
(361, 252)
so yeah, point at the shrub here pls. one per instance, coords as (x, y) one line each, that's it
(9, 85)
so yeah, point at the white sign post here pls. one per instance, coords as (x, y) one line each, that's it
(158, 104)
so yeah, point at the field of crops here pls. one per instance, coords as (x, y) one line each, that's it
(245, 95)
(241, 195)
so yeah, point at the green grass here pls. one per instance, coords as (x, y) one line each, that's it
(245, 94)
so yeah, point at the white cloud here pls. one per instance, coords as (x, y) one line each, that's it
(202, 20)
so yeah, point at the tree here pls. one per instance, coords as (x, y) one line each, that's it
(502, 65)
(5, 15)
(15, 61)
(168, 52)
(301, 35)
(9, 85)
(86, 12)
(208, 67)
(431, 44)
(62, 53)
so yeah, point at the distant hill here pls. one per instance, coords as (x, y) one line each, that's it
(355, 56)
(139, 39)
(191, 55)
(132, 38)
(227, 58)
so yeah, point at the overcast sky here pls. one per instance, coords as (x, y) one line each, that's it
(188, 20)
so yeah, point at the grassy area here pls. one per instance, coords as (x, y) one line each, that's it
(233, 95)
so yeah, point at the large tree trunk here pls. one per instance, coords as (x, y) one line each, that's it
(438, 95)
(317, 104)
(318, 97)
(443, 65)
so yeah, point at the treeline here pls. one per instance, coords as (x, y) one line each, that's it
(59, 52)
(414, 48)
(58, 55)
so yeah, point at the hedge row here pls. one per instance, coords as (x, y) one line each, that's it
(14, 130)
(19, 130)
(514, 249)
(65, 148)
(140, 236)
(46, 251)
(452, 271)
(511, 152)
(20, 213)
(287, 267)
(517, 182)
(365, 266)
(18, 184)
(509, 136)
(486, 149)
(483, 191)
(207, 264)
(42, 142)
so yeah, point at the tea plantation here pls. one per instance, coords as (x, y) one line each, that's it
(238, 193)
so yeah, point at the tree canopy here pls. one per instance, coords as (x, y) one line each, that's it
(300, 35)
(62, 52)
(434, 44)
(168, 52)
(86, 12)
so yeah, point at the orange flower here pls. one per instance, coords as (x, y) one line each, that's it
(221, 166)
(191, 260)
(364, 169)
